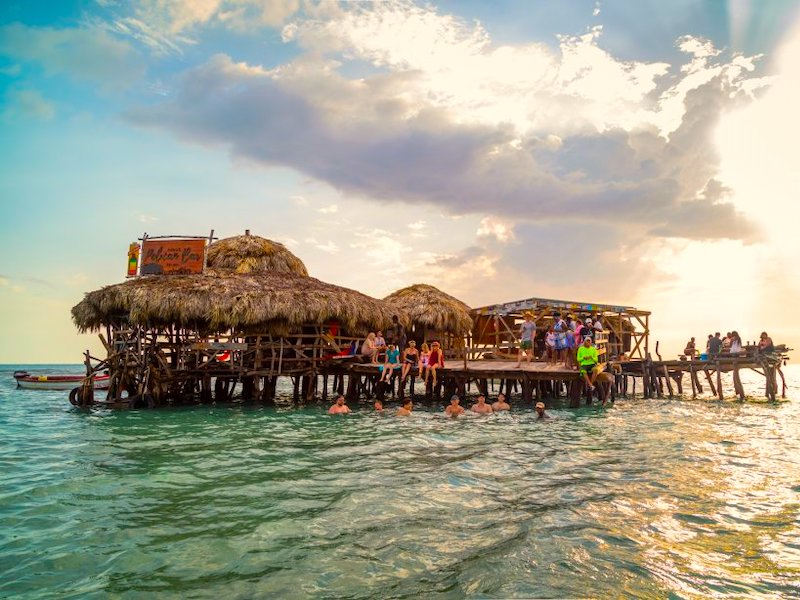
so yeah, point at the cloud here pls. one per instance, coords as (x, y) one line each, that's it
(89, 54)
(369, 140)
(328, 210)
(27, 104)
(500, 230)
(167, 26)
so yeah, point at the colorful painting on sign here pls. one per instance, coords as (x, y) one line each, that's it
(172, 257)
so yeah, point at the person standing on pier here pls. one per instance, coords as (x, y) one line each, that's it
(454, 408)
(714, 345)
(501, 403)
(526, 333)
(339, 408)
(481, 407)
(736, 343)
(587, 361)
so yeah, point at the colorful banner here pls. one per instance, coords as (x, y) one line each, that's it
(172, 257)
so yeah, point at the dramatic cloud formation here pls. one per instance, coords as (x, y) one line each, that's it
(367, 136)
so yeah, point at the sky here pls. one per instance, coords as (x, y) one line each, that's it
(635, 153)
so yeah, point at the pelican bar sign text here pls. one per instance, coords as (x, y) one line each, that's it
(172, 257)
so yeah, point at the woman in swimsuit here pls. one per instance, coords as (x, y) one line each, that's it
(435, 361)
(424, 356)
(390, 363)
(410, 358)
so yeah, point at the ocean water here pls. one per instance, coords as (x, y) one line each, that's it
(646, 499)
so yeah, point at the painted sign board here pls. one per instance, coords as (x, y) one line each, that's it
(173, 256)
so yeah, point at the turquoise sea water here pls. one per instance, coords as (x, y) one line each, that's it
(648, 499)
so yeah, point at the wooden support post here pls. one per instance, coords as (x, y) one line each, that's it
(324, 387)
(668, 381)
(737, 381)
(719, 381)
(710, 383)
(679, 382)
(692, 379)
(527, 396)
(575, 388)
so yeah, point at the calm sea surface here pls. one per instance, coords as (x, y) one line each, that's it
(647, 499)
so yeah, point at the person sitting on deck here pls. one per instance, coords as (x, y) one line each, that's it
(406, 408)
(481, 407)
(690, 350)
(424, 356)
(390, 363)
(714, 345)
(726, 342)
(526, 332)
(736, 343)
(435, 361)
(765, 343)
(339, 407)
(540, 411)
(369, 353)
(454, 408)
(501, 403)
(587, 361)
(410, 359)
(380, 346)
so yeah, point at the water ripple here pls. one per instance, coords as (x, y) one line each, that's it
(648, 499)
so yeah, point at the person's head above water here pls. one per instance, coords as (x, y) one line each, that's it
(454, 399)
(481, 399)
(340, 400)
(407, 402)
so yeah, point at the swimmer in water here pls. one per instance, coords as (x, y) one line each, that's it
(481, 407)
(339, 408)
(454, 408)
(378, 406)
(540, 411)
(501, 403)
(406, 408)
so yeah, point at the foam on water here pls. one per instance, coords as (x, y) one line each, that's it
(649, 498)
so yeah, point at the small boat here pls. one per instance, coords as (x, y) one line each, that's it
(58, 382)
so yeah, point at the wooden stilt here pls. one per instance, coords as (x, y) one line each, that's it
(668, 381)
(692, 380)
(719, 382)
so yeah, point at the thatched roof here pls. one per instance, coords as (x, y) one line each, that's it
(247, 295)
(251, 254)
(430, 307)
(268, 303)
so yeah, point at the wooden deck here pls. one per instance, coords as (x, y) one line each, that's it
(492, 369)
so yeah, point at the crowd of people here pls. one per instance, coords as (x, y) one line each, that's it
(731, 344)
(569, 340)
(395, 352)
(453, 409)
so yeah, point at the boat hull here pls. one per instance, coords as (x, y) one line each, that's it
(60, 382)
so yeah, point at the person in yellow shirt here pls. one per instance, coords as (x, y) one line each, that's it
(587, 361)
